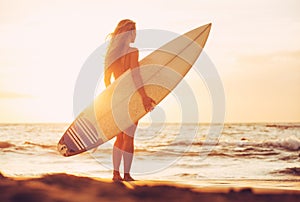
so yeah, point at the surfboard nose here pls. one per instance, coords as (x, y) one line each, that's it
(209, 25)
(63, 149)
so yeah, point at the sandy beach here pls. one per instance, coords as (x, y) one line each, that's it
(63, 187)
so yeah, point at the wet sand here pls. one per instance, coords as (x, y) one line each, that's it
(63, 187)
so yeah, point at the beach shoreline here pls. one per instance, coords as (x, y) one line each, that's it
(65, 187)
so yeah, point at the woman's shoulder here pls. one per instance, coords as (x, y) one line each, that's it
(133, 50)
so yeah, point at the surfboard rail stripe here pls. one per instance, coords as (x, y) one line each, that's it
(73, 140)
(89, 131)
(81, 126)
(77, 137)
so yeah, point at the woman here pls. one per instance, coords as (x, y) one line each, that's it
(119, 58)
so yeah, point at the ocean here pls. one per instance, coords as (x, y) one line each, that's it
(166, 151)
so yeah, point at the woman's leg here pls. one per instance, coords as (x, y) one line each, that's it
(128, 150)
(117, 156)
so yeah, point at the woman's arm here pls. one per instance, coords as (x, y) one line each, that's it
(134, 65)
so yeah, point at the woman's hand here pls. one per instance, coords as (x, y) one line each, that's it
(148, 103)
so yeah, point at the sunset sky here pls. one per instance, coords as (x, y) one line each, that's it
(255, 46)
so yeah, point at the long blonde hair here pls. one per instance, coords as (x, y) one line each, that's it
(119, 41)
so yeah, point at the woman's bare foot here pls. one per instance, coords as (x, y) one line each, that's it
(116, 176)
(127, 177)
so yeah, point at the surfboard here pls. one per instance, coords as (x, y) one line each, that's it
(120, 105)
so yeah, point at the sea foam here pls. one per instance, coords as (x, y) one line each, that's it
(290, 143)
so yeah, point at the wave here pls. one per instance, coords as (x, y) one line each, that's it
(4, 145)
(221, 154)
(289, 171)
(9, 147)
(187, 175)
(260, 150)
(290, 143)
(283, 126)
(250, 153)
(44, 146)
(290, 157)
